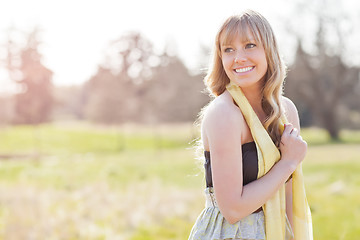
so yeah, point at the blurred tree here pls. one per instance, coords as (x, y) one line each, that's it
(112, 93)
(173, 95)
(321, 84)
(34, 101)
(7, 109)
(132, 57)
(109, 98)
(138, 85)
(69, 102)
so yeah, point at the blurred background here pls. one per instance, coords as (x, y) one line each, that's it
(99, 100)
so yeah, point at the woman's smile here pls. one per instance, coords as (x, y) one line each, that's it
(244, 70)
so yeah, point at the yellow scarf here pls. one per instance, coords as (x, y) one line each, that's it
(268, 155)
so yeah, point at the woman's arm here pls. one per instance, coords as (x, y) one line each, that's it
(224, 126)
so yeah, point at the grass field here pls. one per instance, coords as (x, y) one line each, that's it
(78, 181)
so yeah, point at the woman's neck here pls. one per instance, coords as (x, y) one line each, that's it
(254, 96)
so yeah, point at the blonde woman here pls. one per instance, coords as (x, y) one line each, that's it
(246, 55)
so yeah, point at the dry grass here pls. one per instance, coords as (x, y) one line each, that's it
(91, 212)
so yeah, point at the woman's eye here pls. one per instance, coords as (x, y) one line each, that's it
(250, 45)
(228, 50)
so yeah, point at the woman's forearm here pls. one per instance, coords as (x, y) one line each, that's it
(256, 193)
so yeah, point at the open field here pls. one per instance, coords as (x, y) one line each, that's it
(79, 181)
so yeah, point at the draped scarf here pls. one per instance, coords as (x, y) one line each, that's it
(268, 155)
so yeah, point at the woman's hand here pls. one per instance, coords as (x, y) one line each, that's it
(292, 146)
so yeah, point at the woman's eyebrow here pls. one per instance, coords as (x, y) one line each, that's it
(249, 40)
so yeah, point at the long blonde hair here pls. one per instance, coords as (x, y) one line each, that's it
(216, 78)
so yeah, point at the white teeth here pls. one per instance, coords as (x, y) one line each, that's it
(241, 70)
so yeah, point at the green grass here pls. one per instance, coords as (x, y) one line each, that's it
(316, 136)
(86, 180)
(50, 139)
(332, 183)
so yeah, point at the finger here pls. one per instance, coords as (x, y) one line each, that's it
(294, 132)
(288, 128)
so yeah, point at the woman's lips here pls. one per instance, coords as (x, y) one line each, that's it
(244, 69)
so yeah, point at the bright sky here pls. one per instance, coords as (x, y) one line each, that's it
(77, 32)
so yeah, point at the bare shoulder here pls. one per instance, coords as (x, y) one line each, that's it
(291, 111)
(222, 110)
(222, 119)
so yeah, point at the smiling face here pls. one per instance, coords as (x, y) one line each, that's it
(243, 59)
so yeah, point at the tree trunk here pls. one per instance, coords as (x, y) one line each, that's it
(330, 123)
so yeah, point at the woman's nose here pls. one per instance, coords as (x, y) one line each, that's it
(240, 57)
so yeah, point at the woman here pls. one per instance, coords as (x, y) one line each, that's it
(243, 139)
